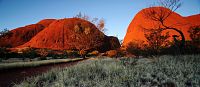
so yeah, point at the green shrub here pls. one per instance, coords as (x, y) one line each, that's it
(72, 53)
(64, 55)
(29, 53)
(3, 53)
(137, 48)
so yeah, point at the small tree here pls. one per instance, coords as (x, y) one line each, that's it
(100, 23)
(194, 32)
(136, 48)
(82, 16)
(43, 53)
(29, 53)
(157, 41)
(4, 32)
(160, 15)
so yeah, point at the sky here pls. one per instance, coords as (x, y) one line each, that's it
(117, 13)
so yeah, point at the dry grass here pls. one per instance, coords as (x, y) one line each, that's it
(163, 71)
(34, 63)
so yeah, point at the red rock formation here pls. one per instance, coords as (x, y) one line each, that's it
(194, 19)
(113, 43)
(20, 35)
(135, 32)
(70, 34)
(46, 22)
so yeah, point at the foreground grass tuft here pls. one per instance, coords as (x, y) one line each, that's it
(164, 71)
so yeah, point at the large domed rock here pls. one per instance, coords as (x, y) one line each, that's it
(20, 35)
(136, 33)
(70, 34)
(46, 22)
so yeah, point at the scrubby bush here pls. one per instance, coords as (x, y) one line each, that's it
(121, 52)
(194, 32)
(100, 23)
(54, 56)
(137, 48)
(164, 71)
(29, 52)
(64, 55)
(43, 53)
(4, 32)
(3, 53)
(156, 41)
(83, 53)
(72, 53)
(93, 53)
(111, 53)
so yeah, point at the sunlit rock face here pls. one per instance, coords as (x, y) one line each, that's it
(46, 22)
(21, 35)
(135, 30)
(71, 34)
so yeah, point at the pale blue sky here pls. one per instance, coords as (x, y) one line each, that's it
(117, 13)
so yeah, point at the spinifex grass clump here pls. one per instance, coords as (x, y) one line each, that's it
(164, 71)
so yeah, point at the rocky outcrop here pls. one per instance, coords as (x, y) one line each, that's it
(46, 22)
(72, 34)
(136, 33)
(20, 35)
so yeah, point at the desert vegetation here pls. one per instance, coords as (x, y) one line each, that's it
(100, 23)
(34, 63)
(160, 15)
(159, 44)
(157, 38)
(4, 32)
(164, 71)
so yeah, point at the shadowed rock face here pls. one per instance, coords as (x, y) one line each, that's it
(135, 32)
(22, 35)
(113, 42)
(110, 43)
(72, 34)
